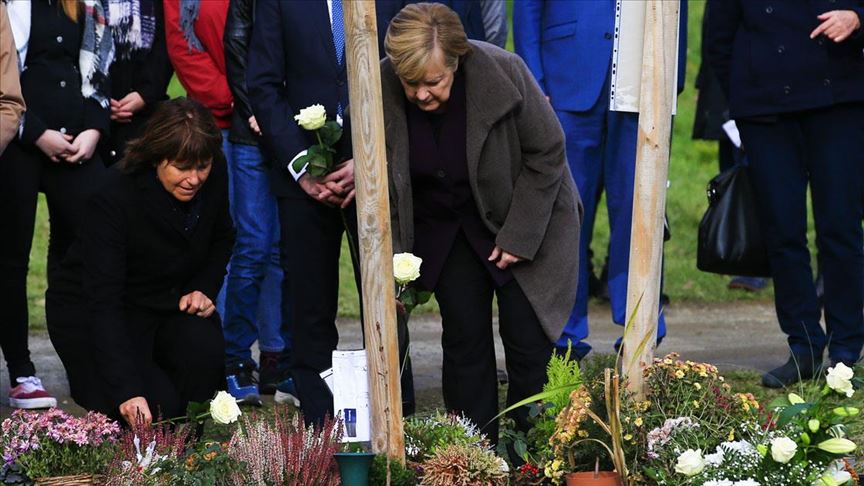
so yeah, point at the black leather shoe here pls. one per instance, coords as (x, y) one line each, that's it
(797, 368)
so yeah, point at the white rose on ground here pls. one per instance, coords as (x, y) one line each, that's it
(224, 409)
(839, 379)
(783, 449)
(690, 462)
(406, 267)
(312, 117)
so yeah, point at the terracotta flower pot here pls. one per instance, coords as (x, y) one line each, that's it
(590, 478)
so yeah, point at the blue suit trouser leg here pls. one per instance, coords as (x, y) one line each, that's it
(584, 134)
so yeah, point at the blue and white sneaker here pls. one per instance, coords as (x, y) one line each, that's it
(286, 393)
(241, 383)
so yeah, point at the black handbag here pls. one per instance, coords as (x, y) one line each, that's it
(730, 240)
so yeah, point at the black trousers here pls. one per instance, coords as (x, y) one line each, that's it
(311, 243)
(24, 172)
(180, 358)
(822, 149)
(464, 292)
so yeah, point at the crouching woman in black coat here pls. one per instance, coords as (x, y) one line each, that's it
(132, 316)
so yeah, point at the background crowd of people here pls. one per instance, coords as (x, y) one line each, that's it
(182, 231)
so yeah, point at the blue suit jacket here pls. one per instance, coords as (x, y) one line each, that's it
(568, 47)
(766, 62)
(291, 65)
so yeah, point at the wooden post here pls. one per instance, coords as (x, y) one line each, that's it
(656, 98)
(373, 225)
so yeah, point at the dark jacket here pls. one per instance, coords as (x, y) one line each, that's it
(283, 78)
(51, 81)
(238, 32)
(132, 257)
(767, 63)
(518, 173)
(147, 72)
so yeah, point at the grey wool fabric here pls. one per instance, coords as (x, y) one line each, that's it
(518, 174)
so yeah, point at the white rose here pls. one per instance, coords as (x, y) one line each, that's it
(690, 462)
(839, 379)
(224, 409)
(406, 267)
(312, 118)
(783, 449)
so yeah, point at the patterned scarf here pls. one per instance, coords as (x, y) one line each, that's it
(97, 52)
(188, 16)
(133, 25)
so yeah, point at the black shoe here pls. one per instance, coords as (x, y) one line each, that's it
(797, 368)
(270, 374)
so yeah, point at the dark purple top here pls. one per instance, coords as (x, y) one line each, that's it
(443, 203)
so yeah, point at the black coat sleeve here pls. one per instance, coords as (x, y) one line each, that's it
(238, 31)
(720, 38)
(103, 240)
(156, 69)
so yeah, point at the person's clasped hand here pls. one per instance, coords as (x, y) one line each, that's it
(837, 25)
(503, 259)
(123, 109)
(198, 304)
(336, 188)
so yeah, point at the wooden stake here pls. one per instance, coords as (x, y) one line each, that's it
(656, 98)
(373, 224)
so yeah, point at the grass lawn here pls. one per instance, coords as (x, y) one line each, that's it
(692, 166)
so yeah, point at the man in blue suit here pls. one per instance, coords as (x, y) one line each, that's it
(568, 47)
(296, 59)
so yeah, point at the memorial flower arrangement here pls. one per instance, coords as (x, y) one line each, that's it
(54, 443)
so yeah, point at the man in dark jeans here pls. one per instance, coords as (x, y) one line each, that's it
(254, 305)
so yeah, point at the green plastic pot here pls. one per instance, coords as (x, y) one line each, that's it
(354, 467)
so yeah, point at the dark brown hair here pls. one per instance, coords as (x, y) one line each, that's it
(181, 131)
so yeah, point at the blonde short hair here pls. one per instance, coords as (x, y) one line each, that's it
(414, 34)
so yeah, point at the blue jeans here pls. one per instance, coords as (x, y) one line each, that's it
(251, 298)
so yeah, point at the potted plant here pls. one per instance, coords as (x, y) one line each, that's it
(55, 448)
(354, 462)
(569, 434)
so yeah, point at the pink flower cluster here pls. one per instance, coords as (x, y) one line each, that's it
(24, 431)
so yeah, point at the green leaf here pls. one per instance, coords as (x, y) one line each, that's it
(330, 133)
(539, 397)
(521, 448)
(423, 297)
(409, 298)
(790, 412)
(300, 162)
(195, 409)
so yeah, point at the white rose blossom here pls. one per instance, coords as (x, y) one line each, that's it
(690, 462)
(224, 409)
(406, 268)
(839, 379)
(312, 117)
(783, 449)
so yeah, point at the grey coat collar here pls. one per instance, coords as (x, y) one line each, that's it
(490, 95)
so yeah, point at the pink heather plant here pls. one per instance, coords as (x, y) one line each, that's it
(55, 443)
(285, 452)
